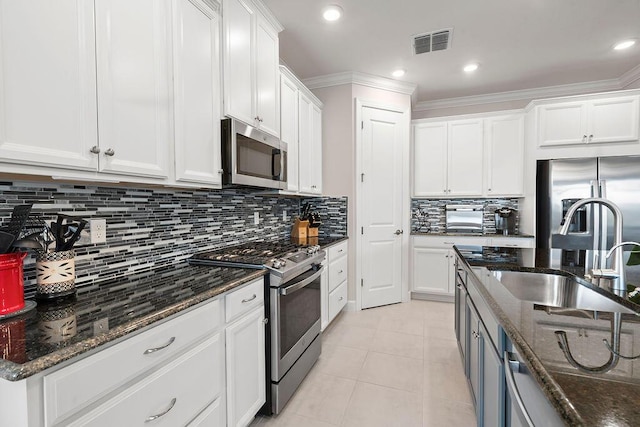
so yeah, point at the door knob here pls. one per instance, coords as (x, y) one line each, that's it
(399, 232)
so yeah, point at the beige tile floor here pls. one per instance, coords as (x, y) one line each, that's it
(391, 366)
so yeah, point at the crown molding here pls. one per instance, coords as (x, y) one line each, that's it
(522, 95)
(353, 77)
(630, 77)
(270, 17)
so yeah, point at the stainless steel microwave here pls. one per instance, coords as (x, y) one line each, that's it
(252, 157)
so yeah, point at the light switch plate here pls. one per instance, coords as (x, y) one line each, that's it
(256, 218)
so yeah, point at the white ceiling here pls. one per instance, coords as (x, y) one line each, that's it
(519, 44)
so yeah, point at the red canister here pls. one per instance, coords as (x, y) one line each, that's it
(11, 282)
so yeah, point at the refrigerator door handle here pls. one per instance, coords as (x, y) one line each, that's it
(602, 188)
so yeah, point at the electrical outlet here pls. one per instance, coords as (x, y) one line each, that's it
(98, 228)
(256, 218)
(284, 215)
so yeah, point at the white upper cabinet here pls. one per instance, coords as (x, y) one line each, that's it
(448, 158)
(134, 81)
(301, 130)
(316, 150)
(86, 86)
(465, 164)
(48, 114)
(267, 77)
(197, 98)
(251, 74)
(593, 121)
(430, 159)
(289, 127)
(504, 147)
(310, 145)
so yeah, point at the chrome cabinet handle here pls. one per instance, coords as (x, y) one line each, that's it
(95, 149)
(340, 250)
(340, 272)
(584, 138)
(162, 347)
(249, 299)
(265, 321)
(155, 417)
(589, 138)
(109, 152)
(399, 232)
(340, 299)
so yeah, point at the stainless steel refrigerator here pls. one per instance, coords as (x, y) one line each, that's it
(560, 183)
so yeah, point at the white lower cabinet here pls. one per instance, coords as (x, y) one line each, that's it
(432, 271)
(203, 367)
(432, 264)
(245, 368)
(334, 282)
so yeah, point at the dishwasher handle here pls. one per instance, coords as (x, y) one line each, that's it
(511, 366)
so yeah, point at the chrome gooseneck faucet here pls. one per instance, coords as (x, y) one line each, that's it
(617, 260)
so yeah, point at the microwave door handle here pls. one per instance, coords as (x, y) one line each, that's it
(276, 163)
(301, 284)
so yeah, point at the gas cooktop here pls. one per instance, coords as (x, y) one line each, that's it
(284, 259)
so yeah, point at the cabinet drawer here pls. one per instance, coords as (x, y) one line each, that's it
(513, 242)
(336, 251)
(337, 300)
(244, 299)
(173, 395)
(210, 417)
(71, 388)
(447, 242)
(337, 272)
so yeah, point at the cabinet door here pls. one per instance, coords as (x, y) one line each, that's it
(237, 53)
(245, 368)
(48, 110)
(134, 86)
(432, 270)
(430, 159)
(316, 156)
(473, 354)
(505, 155)
(289, 128)
(613, 120)
(305, 141)
(267, 77)
(492, 379)
(562, 124)
(196, 65)
(461, 317)
(465, 162)
(324, 297)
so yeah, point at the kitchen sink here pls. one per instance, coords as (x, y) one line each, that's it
(556, 291)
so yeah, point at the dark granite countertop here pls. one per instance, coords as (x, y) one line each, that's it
(606, 399)
(46, 336)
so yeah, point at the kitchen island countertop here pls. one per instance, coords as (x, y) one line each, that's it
(611, 398)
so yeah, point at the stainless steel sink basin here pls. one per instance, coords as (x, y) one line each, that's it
(556, 291)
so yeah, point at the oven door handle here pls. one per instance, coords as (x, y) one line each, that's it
(301, 284)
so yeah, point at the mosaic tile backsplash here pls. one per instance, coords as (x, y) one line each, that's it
(149, 228)
(428, 216)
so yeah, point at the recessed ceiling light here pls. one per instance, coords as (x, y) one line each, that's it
(470, 67)
(624, 45)
(332, 12)
(398, 73)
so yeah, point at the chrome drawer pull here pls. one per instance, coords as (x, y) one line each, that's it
(155, 417)
(249, 299)
(153, 350)
(340, 272)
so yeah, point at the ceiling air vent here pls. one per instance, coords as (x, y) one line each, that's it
(431, 42)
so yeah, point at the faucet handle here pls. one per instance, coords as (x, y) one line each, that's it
(604, 273)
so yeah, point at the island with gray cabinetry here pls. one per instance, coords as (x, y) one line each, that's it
(551, 351)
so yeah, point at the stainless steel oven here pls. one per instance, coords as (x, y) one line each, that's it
(295, 333)
(252, 157)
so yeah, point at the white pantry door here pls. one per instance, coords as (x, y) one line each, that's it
(381, 216)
